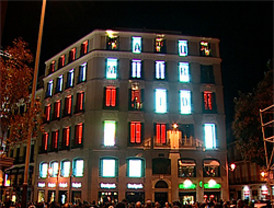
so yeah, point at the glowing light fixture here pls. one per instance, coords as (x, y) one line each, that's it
(187, 185)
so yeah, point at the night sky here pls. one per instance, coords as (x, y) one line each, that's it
(245, 30)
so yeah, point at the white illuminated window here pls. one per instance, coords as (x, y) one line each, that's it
(108, 168)
(160, 70)
(182, 47)
(136, 68)
(210, 135)
(184, 72)
(65, 168)
(136, 45)
(79, 168)
(54, 166)
(161, 100)
(109, 133)
(111, 68)
(82, 72)
(50, 88)
(135, 168)
(70, 80)
(43, 170)
(185, 101)
(59, 86)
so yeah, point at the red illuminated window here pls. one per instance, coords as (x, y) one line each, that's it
(45, 140)
(68, 104)
(47, 112)
(160, 133)
(61, 62)
(135, 132)
(80, 102)
(54, 141)
(57, 109)
(84, 48)
(52, 67)
(110, 96)
(66, 137)
(72, 55)
(79, 134)
(209, 101)
(135, 99)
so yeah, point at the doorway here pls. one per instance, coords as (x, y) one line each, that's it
(161, 197)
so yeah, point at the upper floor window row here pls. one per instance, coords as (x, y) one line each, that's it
(68, 58)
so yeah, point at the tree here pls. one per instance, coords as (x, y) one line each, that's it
(15, 84)
(246, 125)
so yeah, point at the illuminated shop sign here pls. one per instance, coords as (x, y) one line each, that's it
(63, 185)
(212, 185)
(187, 185)
(135, 186)
(108, 185)
(51, 185)
(41, 184)
(76, 185)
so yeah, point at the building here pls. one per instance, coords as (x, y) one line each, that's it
(135, 115)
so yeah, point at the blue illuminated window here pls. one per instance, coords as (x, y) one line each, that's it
(65, 168)
(82, 73)
(70, 78)
(135, 168)
(136, 45)
(43, 170)
(160, 69)
(55, 167)
(161, 100)
(49, 88)
(136, 69)
(111, 68)
(184, 75)
(210, 135)
(185, 101)
(59, 84)
(109, 167)
(78, 168)
(182, 47)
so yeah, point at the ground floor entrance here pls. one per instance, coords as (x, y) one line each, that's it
(161, 197)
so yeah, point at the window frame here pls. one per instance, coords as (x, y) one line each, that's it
(213, 140)
(111, 95)
(181, 43)
(80, 97)
(62, 168)
(184, 67)
(142, 167)
(188, 106)
(75, 168)
(133, 50)
(106, 141)
(59, 83)
(70, 78)
(111, 75)
(134, 70)
(136, 140)
(163, 109)
(160, 74)
(82, 76)
(45, 175)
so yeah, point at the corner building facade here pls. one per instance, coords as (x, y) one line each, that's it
(135, 115)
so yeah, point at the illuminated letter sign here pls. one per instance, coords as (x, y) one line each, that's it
(41, 185)
(63, 185)
(51, 185)
(135, 186)
(108, 185)
(76, 185)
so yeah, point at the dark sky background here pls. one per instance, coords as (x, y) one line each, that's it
(245, 30)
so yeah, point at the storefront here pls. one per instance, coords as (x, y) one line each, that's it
(135, 192)
(187, 192)
(212, 190)
(108, 193)
(76, 193)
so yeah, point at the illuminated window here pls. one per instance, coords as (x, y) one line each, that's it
(136, 45)
(111, 68)
(68, 104)
(210, 135)
(79, 134)
(160, 45)
(161, 100)
(66, 137)
(182, 47)
(78, 169)
(207, 74)
(45, 140)
(57, 109)
(49, 89)
(47, 112)
(65, 168)
(43, 170)
(184, 75)
(55, 166)
(112, 42)
(59, 84)
(110, 97)
(61, 62)
(160, 70)
(84, 48)
(52, 67)
(109, 167)
(186, 168)
(70, 78)
(82, 73)
(185, 102)
(209, 102)
(160, 133)
(136, 99)
(54, 140)
(80, 102)
(161, 166)
(109, 133)
(135, 132)
(211, 168)
(135, 168)
(136, 69)
(72, 54)
(205, 48)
